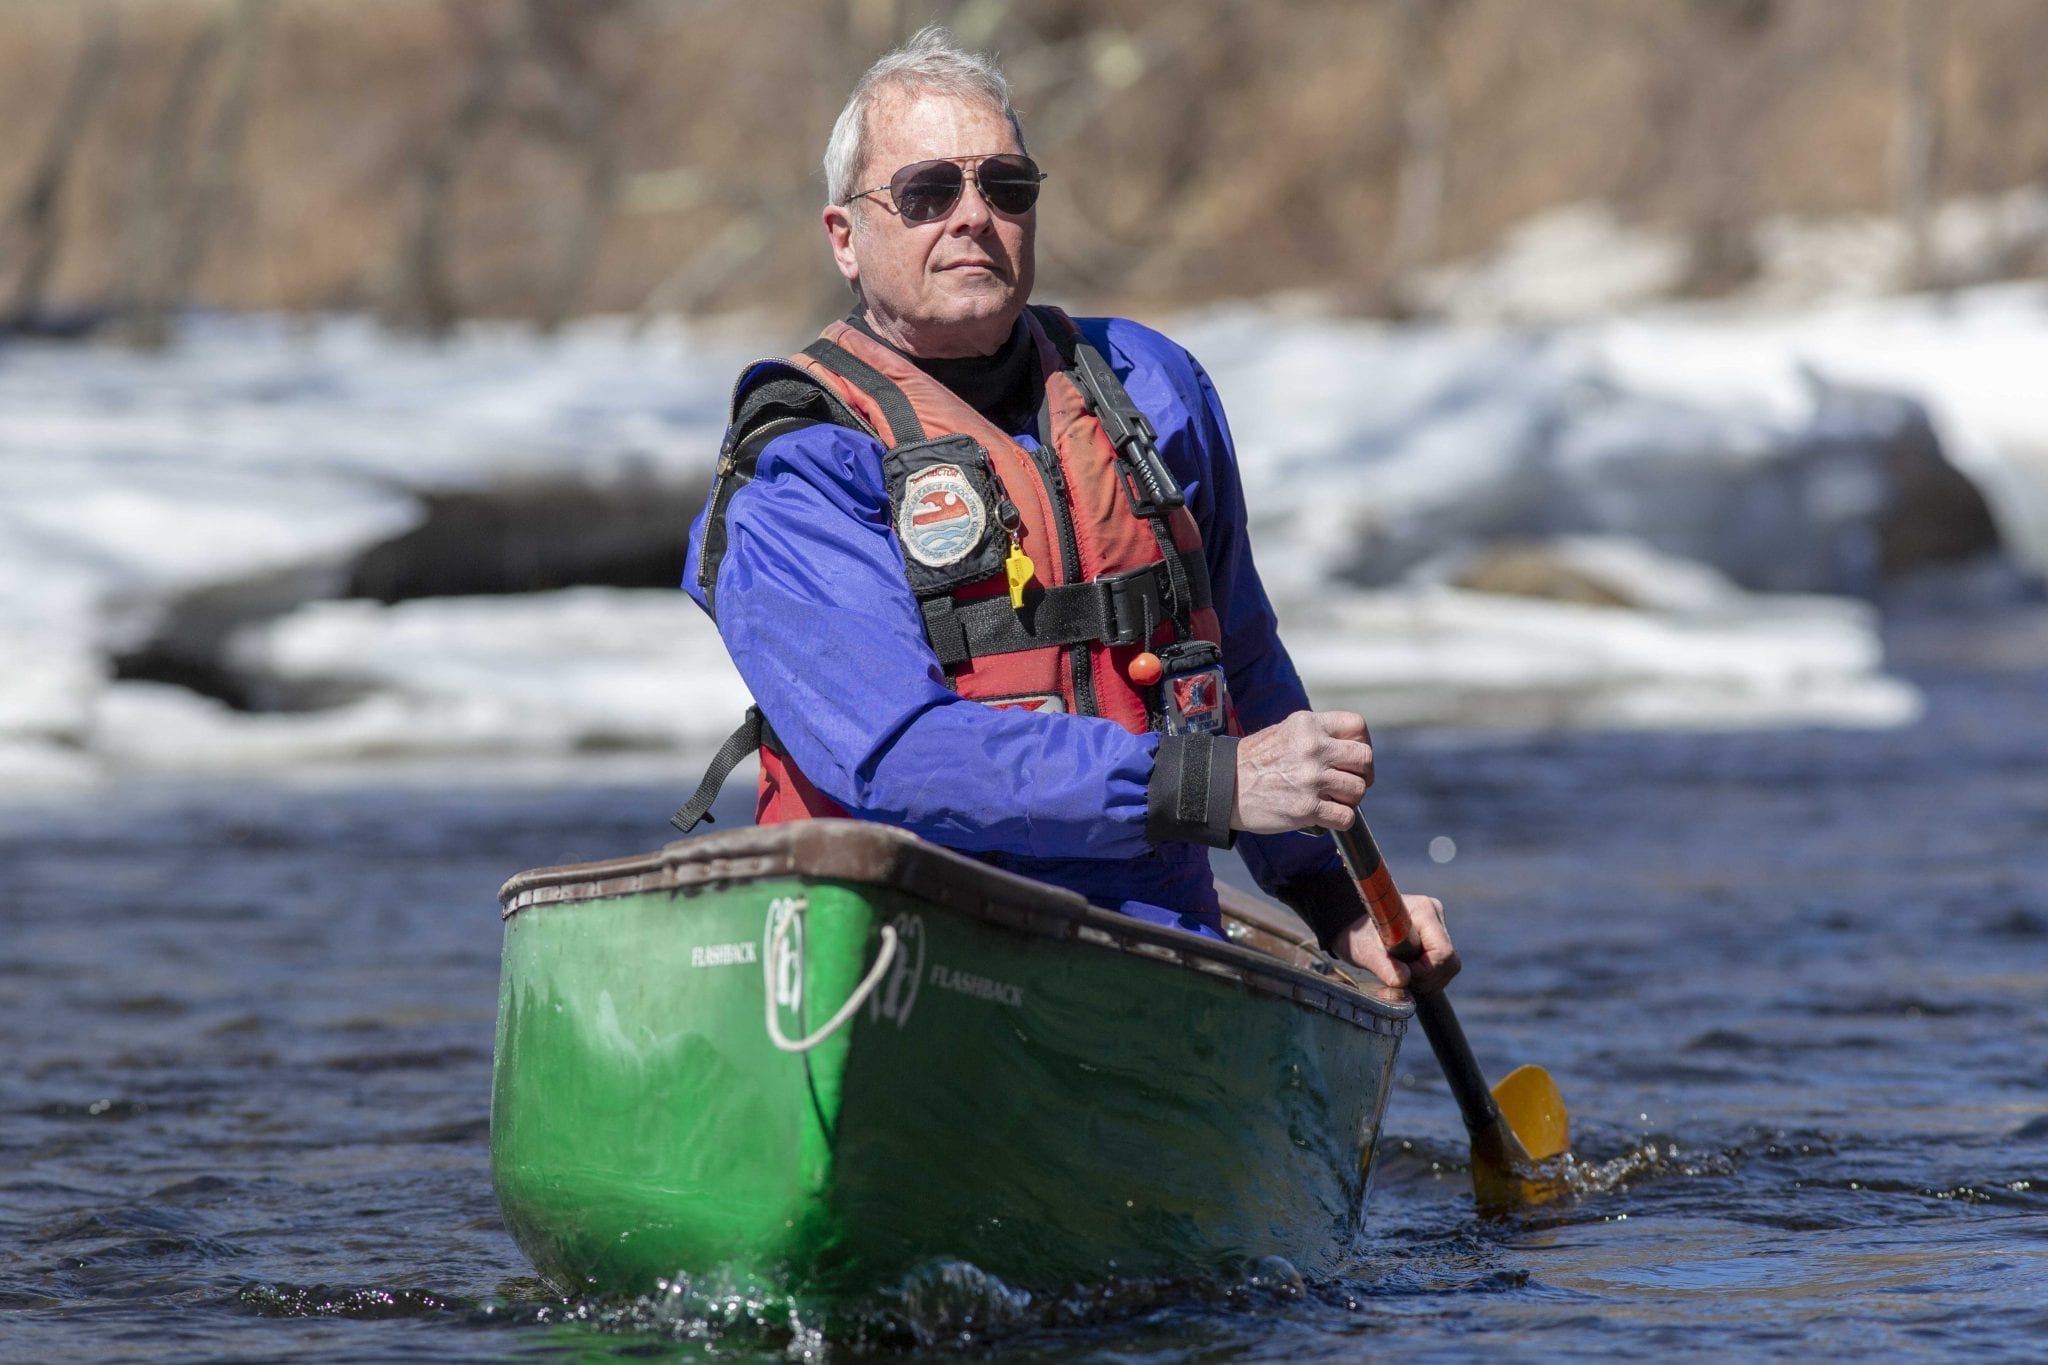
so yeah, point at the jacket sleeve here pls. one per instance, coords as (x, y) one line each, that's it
(1302, 870)
(820, 621)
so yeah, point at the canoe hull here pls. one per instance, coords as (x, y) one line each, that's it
(1046, 1091)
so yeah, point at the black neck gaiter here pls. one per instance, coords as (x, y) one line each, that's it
(1002, 387)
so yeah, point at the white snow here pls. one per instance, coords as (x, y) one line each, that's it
(239, 473)
(1755, 440)
(1580, 262)
(1695, 652)
(219, 491)
(547, 674)
(1561, 266)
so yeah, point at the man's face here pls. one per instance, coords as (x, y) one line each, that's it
(948, 288)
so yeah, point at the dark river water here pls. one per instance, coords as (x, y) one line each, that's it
(1794, 986)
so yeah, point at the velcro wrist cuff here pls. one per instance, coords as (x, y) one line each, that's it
(1193, 790)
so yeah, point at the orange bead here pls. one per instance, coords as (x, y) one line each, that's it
(1144, 669)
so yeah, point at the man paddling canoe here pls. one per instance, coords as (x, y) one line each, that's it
(985, 568)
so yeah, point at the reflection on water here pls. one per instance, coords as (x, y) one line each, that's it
(1794, 988)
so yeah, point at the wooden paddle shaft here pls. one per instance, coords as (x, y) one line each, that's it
(1397, 931)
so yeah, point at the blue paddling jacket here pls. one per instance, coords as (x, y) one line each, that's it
(815, 603)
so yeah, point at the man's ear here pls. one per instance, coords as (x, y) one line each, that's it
(839, 228)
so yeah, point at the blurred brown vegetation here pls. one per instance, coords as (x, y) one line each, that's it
(434, 159)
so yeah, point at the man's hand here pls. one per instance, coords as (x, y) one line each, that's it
(1432, 972)
(1309, 771)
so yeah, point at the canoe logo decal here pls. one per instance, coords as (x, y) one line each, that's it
(942, 518)
(785, 960)
(898, 991)
(723, 955)
(974, 984)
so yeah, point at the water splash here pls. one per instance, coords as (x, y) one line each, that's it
(1651, 1160)
(331, 1301)
(945, 1305)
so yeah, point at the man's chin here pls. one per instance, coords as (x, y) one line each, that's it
(981, 306)
(980, 290)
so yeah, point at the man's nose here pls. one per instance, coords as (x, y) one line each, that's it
(972, 213)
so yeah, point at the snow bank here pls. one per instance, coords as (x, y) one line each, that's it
(1670, 644)
(1563, 266)
(169, 498)
(588, 670)
(597, 671)
(211, 501)
(1971, 359)
(1776, 447)
(1580, 262)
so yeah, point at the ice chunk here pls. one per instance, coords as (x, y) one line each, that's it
(582, 670)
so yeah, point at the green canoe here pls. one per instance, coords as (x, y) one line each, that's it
(819, 1055)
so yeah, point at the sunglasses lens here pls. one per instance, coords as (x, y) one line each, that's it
(1009, 183)
(926, 190)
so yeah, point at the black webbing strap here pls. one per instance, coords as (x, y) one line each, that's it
(1117, 610)
(1153, 490)
(1182, 600)
(735, 472)
(773, 397)
(896, 410)
(1154, 494)
(753, 735)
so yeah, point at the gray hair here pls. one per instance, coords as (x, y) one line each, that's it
(931, 62)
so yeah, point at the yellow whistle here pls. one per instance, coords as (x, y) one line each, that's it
(1020, 568)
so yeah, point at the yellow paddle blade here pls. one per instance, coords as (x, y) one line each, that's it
(1534, 1111)
(1523, 1159)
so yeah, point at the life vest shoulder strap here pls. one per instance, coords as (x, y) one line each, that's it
(1154, 494)
(1153, 489)
(897, 411)
(772, 398)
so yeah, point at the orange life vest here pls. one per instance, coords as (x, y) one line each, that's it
(1117, 564)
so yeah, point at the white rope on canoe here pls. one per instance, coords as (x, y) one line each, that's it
(778, 937)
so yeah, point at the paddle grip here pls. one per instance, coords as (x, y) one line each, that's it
(1376, 885)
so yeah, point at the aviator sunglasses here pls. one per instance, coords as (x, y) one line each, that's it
(925, 191)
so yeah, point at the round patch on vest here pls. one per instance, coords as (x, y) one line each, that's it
(942, 518)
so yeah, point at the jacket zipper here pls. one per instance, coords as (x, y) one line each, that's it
(1046, 462)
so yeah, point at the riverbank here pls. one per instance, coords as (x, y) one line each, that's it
(283, 543)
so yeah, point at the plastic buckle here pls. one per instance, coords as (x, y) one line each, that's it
(1135, 607)
(1150, 484)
